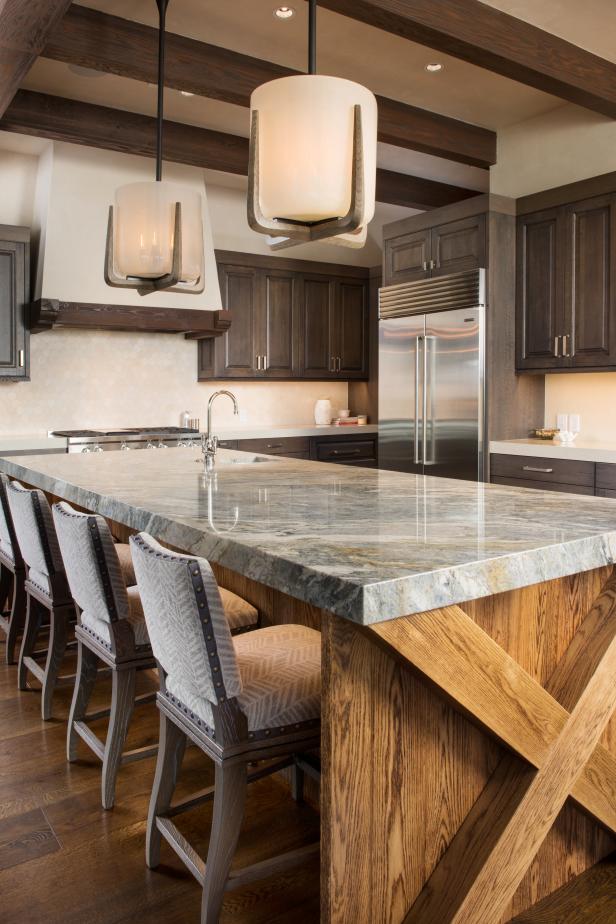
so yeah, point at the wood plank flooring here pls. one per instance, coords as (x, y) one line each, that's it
(63, 860)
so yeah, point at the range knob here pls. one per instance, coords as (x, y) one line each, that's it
(162, 445)
(125, 446)
(150, 445)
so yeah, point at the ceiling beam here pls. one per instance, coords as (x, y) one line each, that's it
(132, 133)
(24, 29)
(129, 49)
(489, 38)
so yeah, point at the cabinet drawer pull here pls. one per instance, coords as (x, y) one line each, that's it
(274, 446)
(345, 452)
(556, 353)
(566, 345)
(258, 363)
(534, 468)
(22, 359)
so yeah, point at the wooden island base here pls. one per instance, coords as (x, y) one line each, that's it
(469, 753)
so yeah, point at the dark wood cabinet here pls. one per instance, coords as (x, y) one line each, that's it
(355, 448)
(571, 476)
(14, 300)
(540, 289)
(451, 247)
(290, 320)
(566, 298)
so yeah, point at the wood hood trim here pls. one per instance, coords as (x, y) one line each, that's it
(195, 324)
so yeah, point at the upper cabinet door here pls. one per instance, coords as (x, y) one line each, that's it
(14, 336)
(590, 277)
(407, 258)
(237, 350)
(458, 246)
(318, 359)
(351, 329)
(278, 325)
(540, 312)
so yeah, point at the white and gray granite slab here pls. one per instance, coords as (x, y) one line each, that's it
(368, 545)
(580, 450)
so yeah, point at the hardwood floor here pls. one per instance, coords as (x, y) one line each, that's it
(63, 860)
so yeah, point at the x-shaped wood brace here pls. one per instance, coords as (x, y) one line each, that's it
(555, 730)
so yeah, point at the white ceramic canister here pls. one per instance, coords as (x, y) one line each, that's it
(323, 412)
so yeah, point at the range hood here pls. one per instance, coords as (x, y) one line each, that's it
(74, 188)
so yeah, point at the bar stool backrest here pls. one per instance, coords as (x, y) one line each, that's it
(35, 533)
(8, 539)
(186, 621)
(92, 564)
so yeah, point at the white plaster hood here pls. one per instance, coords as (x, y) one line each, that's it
(75, 187)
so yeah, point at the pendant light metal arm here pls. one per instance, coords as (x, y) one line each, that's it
(312, 36)
(162, 13)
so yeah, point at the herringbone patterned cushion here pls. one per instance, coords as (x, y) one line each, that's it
(135, 617)
(239, 612)
(6, 543)
(280, 667)
(34, 541)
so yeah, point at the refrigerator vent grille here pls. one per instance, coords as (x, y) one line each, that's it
(441, 293)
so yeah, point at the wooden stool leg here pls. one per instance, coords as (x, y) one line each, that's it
(6, 579)
(85, 678)
(18, 617)
(122, 705)
(34, 616)
(58, 638)
(229, 799)
(171, 747)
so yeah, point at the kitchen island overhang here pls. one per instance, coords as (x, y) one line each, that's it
(469, 650)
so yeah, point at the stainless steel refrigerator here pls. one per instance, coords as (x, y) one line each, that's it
(431, 376)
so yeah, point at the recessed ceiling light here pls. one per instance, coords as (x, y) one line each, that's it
(434, 68)
(284, 12)
(186, 93)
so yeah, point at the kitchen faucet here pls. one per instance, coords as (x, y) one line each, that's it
(209, 442)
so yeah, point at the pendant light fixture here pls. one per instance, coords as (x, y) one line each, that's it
(155, 230)
(312, 170)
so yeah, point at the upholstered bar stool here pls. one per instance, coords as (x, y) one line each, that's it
(245, 699)
(46, 590)
(12, 577)
(111, 629)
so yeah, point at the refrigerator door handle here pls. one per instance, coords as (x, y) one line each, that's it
(428, 383)
(418, 345)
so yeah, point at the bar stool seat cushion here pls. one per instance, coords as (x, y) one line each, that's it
(100, 627)
(239, 612)
(280, 668)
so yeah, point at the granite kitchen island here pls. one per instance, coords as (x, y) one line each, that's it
(469, 656)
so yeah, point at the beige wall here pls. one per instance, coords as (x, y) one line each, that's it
(101, 379)
(563, 146)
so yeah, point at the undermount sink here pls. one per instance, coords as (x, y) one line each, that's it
(245, 459)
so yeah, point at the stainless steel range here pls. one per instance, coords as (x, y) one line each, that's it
(127, 438)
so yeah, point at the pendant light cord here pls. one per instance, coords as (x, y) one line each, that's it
(162, 12)
(312, 36)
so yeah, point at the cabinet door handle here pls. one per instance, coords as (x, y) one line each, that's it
(534, 468)
(425, 266)
(565, 345)
(258, 363)
(332, 363)
(338, 363)
(265, 363)
(22, 359)
(556, 353)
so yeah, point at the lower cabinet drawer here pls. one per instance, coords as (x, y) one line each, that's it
(531, 468)
(606, 476)
(284, 446)
(348, 451)
(605, 492)
(544, 485)
(227, 444)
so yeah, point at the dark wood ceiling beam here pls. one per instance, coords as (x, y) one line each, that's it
(119, 46)
(131, 133)
(24, 29)
(489, 38)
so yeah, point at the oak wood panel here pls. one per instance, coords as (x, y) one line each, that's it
(24, 29)
(108, 43)
(494, 40)
(590, 281)
(540, 290)
(588, 899)
(69, 120)
(567, 471)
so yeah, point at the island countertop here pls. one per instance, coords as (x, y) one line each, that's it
(365, 544)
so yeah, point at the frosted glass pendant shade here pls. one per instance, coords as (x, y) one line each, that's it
(305, 132)
(144, 217)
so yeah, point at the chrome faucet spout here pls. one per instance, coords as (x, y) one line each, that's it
(209, 442)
